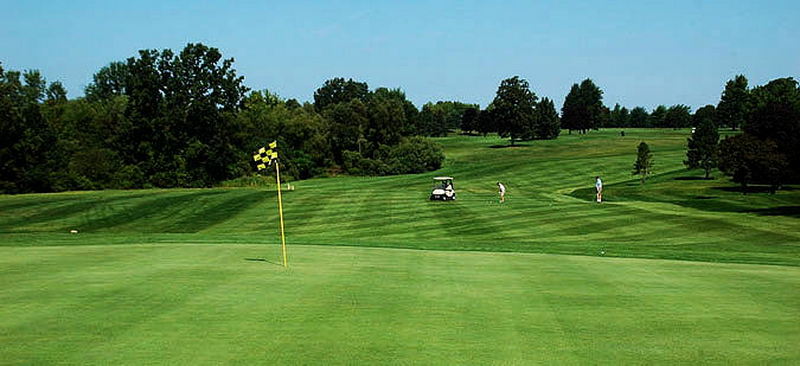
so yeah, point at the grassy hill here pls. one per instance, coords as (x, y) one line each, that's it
(549, 207)
(191, 276)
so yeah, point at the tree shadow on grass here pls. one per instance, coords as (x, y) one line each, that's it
(752, 189)
(264, 260)
(694, 178)
(506, 146)
(791, 211)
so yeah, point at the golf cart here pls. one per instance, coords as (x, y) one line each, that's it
(443, 189)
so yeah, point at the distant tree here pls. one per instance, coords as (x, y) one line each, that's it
(514, 109)
(547, 125)
(410, 112)
(347, 123)
(733, 104)
(293, 104)
(775, 115)
(639, 117)
(486, 121)
(386, 124)
(338, 90)
(678, 116)
(619, 117)
(28, 158)
(703, 147)
(469, 120)
(432, 120)
(658, 117)
(704, 113)
(583, 107)
(748, 159)
(56, 93)
(644, 162)
(109, 81)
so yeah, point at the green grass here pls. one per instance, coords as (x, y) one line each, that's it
(215, 304)
(190, 275)
(549, 208)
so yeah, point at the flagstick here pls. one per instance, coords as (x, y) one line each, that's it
(280, 212)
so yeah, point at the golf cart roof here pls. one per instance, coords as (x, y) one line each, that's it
(443, 178)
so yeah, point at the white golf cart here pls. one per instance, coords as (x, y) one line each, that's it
(443, 189)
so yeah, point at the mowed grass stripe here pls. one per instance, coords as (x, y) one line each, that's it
(549, 207)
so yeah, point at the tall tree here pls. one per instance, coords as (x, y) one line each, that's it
(678, 116)
(571, 112)
(707, 112)
(469, 120)
(748, 159)
(643, 166)
(658, 117)
(619, 116)
(109, 81)
(547, 126)
(702, 147)
(27, 140)
(347, 123)
(732, 106)
(338, 90)
(432, 120)
(583, 107)
(514, 109)
(775, 115)
(639, 117)
(592, 100)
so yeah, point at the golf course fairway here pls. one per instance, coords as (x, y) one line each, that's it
(676, 270)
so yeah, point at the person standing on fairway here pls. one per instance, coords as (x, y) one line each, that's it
(502, 192)
(598, 185)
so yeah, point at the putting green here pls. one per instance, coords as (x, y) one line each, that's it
(190, 304)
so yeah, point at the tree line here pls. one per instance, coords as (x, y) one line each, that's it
(766, 150)
(185, 119)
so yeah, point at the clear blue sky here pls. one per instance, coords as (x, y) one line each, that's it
(639, 52)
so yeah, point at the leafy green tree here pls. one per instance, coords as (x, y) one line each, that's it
(432, 120)
(514, 109)
(775, 115)
(109, 81)
(415, 155)
(410, 112)
(583, 107)
(486, 121)
(386, 125)
(644, 161)
(658, 117)
(27, 140)
(182, 108)
(347, 123)
(748, 159)
(703, 147)
(678, 116)
(733, 104)
(338, 90)
(547, 124)
(707, 112)
(470, 120)
(571, 112)
(619, 116)
(639, 117)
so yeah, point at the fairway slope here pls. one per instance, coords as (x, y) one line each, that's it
(550, 207)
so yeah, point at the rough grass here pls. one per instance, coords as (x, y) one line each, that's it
(142, 281)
